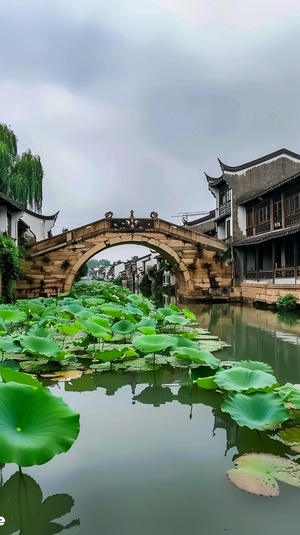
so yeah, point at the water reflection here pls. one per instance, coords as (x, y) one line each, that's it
(255, 334)
(170, 386)
(25, 511)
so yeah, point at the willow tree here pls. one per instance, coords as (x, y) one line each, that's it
(21, 177)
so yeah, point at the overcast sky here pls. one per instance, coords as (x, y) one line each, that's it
(128, 102)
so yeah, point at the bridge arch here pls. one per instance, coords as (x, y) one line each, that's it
(51, 265)
(165, 251)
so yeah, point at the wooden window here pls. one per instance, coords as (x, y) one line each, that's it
(263, 214)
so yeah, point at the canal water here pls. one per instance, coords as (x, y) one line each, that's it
(152, 454)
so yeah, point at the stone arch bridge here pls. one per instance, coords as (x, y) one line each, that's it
(51, 265)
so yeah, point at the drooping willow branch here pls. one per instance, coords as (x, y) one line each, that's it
(21, 177)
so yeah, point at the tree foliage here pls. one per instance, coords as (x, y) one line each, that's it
(21, 177)
(10, 264)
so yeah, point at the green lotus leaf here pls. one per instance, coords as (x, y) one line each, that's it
(11, 364)
(130, 353)
(114, 312)
(257, 473)
(289, 393)
(91, 327)
(73, 309)
(103, 322)
(8, 375)
(35, 425)
(189, 314)
(132, 309)
(37, 330)
(196, 355)
(208, 383)
(123, 327)
(153, 343)
(256, 411)
(10, 345)
(179, 320)
(147, 330)
(146, 322)
(182, 341)
(69, 329)
(109, 355)
(165, 312)
(12, 315)
(3, 326)
(242, 379)
(253, 365)
(174, 307)
(40, 346)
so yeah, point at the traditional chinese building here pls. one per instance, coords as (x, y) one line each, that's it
(258, 209)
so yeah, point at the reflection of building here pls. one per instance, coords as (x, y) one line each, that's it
(21, 224)
(258, 207)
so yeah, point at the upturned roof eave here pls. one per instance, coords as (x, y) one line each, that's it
(258, 161)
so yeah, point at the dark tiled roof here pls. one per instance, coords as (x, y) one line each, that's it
(213, 181)
(263, 159)
(211, 215)
(266, 236)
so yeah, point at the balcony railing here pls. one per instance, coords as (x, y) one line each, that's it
(277, 275)
(225, 209)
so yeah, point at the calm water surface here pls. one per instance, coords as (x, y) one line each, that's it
(152, 454)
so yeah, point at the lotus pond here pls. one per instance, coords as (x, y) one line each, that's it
(171, 427)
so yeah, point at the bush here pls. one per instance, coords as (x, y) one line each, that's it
(286, 302)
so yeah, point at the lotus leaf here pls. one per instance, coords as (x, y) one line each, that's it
(37, 330)
(291, 394)
(153, 343)
(73, 309)
(12, 315)
(188, 314)
(146, 322)
(132, 309)
(40, 346)
(123, 327)
(257, 473)
(8, 375)
(109, 355)
(196, 355)
(254, 365)
(69, 329)
(242, 379)
(256, 411)
(35, 425)
(182, 341)
(208, 383)
(10, 345)
(147, 330)
(92, 328)
(179, 320)
(165, 311)
(115, 312)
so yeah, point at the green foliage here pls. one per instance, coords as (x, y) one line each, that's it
(286, 302)
(21, 177)
(256, 411)
(10, 266)
(35, 425)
